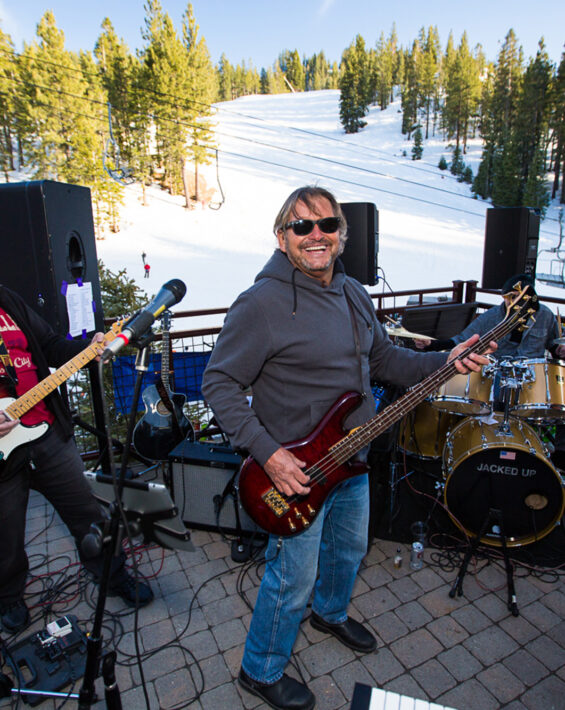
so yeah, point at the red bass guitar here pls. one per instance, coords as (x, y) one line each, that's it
(329, 448)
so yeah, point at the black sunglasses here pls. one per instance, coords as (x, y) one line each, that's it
(302, 227)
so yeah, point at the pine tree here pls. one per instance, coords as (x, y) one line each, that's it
(8, 79)
(353, 85)
(225, 80)
(531, 127)
(264, 82)
(462, 93)
(428, 72)
(499, 108)
(201, 90)
(127, 153)
(536, 190)
(60, 120)
(457, 164)
(410, 90)
(557, 123)
(418, 147)
(506, 183)
(382, 73)
(166, 76)
(317, 73)
(295, 72)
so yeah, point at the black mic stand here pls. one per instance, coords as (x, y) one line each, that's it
(109, 539)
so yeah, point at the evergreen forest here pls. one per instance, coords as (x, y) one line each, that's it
(106, 117)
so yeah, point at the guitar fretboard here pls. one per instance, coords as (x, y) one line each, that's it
(23, 404)
(344, 449)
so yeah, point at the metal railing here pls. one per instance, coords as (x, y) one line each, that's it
(201, 341)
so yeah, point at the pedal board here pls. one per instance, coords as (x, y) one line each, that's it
(49, 659)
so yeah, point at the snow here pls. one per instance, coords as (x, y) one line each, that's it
(431, 230)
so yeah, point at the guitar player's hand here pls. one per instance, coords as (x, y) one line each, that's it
(284, 470)
(473, 361)
(7, 424)
(98, 338)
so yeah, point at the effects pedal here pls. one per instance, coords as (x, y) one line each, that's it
(49, 659)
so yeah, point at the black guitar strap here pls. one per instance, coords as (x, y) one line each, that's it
(6, 360)
(357, 342)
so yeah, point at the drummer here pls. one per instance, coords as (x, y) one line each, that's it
(533, 342)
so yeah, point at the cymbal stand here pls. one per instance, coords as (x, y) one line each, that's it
(509, 383)
(494, 518)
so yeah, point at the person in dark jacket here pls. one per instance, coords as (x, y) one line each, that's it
(300, 337)
(50, 464)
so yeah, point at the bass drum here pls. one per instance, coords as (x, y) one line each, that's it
(423, 431)
(541, 396)
(492, 466)
(465, 394)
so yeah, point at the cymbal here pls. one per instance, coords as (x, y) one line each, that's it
(397, 331)
(559, 341)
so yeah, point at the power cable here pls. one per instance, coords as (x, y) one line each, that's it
(311, 156)
(177, 99)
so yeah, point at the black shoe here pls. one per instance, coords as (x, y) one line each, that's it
(350, 632)
(126, 590)
(14, 616)
(286, 694)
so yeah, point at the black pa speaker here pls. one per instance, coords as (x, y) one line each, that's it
(511, 244)
(361, 249)
(48, 250)
(202, 480)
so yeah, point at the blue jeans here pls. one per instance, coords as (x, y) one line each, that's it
(326, 558)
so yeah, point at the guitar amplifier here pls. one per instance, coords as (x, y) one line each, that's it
(202, 483)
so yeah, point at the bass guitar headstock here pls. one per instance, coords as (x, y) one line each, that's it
(521, 305)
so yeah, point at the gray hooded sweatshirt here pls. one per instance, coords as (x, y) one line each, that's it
(291, 340)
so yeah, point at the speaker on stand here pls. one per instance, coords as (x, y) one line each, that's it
(48, 247)
(511, 244)
(361, 249)
(47, 235)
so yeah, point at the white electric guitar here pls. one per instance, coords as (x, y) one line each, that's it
(16, 408)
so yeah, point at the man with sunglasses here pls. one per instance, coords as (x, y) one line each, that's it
(300, 337)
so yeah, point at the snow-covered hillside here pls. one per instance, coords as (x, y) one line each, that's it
(431, 229)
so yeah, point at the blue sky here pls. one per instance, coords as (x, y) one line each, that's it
(257, 30)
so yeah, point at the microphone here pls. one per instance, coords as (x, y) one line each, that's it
(172, 292)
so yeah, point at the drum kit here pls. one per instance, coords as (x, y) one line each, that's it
(487, 430)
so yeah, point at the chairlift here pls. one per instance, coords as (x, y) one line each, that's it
(556, 276)
(120, 174)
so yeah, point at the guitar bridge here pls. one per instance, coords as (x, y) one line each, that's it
(276, 502)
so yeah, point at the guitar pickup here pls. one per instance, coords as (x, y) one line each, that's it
(276, 502)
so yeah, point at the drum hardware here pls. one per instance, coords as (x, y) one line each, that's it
(541, 396)
(494, 519)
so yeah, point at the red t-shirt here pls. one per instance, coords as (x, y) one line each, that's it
(16, 342)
